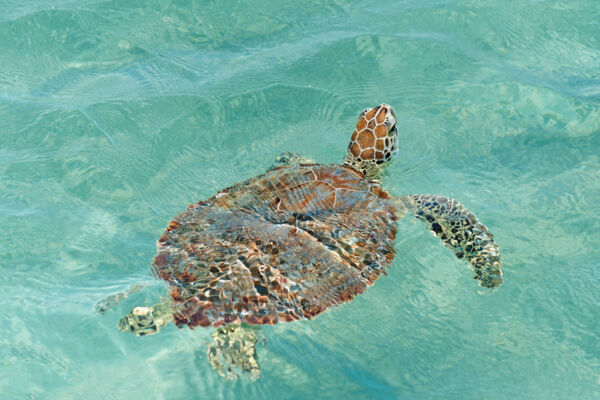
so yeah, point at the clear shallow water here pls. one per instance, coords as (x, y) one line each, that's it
(116, 115)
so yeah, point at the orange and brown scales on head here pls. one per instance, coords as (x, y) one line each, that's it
(374, 141)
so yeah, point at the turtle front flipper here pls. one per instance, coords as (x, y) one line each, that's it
(234, 348)
(460, 231)
(287, 158)
(144, 321)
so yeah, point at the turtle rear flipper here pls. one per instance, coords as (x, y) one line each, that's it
(461, 232)
(234, 348)
(144, 321)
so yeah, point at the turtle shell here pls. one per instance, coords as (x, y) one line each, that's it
(279, 247)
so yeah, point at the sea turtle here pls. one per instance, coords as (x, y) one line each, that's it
(287, 244)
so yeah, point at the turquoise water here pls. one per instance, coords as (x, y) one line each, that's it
(114, 116)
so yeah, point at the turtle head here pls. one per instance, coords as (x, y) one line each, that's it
(373, 142)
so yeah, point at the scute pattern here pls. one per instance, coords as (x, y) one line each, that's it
(462, 233)
(370, 140)
(280, 247)
(373, 141)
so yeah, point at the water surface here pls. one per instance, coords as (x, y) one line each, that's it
(115, 115)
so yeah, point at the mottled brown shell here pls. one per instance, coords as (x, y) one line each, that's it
(282, 246)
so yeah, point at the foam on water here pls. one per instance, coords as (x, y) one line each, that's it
(114, 116)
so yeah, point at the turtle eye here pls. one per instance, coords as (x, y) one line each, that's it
(390, 123)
